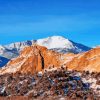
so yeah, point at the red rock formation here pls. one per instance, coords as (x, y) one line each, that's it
(36, 58)
(86, 61)
(33, 59)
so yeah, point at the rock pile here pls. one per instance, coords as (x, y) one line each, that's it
(51, 85)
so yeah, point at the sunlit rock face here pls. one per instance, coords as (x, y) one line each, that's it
(37, 58)
(33, 59)
(86, 61)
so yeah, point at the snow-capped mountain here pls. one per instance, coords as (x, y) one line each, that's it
(57, 43)
(62, 44)
(18, 46)
(12, 50)
(8, 53)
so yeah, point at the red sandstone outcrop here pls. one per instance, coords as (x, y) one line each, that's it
(37, 58)
(33, 59)
(86, 61)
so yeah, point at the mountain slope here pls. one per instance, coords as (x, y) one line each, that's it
(12, 50)
(62, 44)
(86, 61)
(8, 53)
(33, 59)
(3, 61)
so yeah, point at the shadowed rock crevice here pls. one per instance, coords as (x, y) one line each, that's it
(42, 59)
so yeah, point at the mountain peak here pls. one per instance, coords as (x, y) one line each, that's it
(57, 43)
(61, 44)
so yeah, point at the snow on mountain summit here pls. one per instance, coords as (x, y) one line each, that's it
(19, 45)
(62, 44)
(55, 42)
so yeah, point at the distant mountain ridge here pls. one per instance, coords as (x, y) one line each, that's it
(57, 43)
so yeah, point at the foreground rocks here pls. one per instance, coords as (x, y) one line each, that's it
(52, 85)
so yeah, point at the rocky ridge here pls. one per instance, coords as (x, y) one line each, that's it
(38, 58)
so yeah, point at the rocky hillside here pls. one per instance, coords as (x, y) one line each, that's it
(38, 58)
(59, 84)
(86, 61)
(33, 59)
(42, 74)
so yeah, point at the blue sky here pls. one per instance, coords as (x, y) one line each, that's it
(78, 20)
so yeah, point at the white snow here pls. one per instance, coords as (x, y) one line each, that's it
(40, 73)
(62, 98)
(19, 45)
(3, 89)
(50, 69)
(55, 42)
(2, 49)
(92, 81)
(89, 80)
